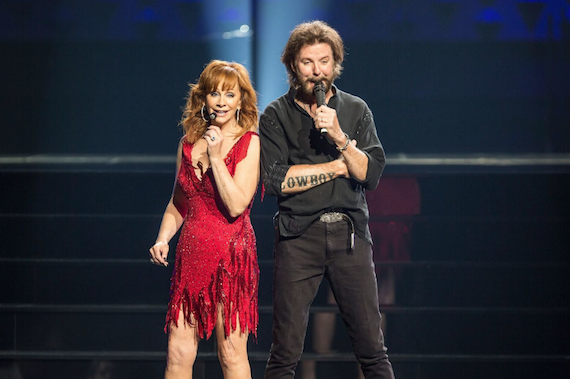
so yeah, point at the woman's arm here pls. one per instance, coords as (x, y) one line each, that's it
(171, 219)
(237, 192)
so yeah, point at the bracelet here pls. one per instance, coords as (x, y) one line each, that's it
(341, 149)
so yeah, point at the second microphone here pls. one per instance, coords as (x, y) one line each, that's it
(320, 92)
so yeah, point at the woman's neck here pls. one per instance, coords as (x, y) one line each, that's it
(229, 129)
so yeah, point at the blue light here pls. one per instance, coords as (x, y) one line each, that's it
(489, 16)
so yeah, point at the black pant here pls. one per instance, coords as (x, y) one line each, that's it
(300, 263)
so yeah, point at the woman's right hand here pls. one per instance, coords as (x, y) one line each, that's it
(214, 138)
(159, 253)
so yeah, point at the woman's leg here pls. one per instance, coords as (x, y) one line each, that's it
(232, 351)
(182, 350)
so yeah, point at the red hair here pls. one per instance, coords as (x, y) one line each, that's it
(226, 74)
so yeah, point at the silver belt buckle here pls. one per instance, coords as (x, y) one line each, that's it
(331, 217)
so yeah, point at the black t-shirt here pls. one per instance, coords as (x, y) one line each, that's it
(288, 137)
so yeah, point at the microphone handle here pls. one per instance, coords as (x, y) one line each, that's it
(320, 96)
(319, 91)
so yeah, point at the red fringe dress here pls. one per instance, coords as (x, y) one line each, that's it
(216, 256)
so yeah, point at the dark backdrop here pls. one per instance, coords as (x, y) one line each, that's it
(486, 292)
(440, 76)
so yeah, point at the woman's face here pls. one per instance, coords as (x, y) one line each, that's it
(224, 104)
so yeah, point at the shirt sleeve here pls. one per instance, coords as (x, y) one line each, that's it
(369, 143)
(274, 155)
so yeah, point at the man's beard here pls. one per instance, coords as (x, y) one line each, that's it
(306, 92)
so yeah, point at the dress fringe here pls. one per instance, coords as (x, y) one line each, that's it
(236, 294)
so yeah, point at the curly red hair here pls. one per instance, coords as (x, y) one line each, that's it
(226, 74)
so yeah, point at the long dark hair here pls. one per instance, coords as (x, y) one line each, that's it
(310, 33)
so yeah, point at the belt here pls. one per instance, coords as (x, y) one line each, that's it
(332, 217)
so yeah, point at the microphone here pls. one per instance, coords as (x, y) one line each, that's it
(212, 116)
(319, 92)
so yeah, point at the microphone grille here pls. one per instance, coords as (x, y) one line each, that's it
(319, 86)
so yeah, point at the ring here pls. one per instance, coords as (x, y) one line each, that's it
(213, 138)
(321, 119)
(151, 261)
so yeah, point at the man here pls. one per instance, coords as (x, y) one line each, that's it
(319, 178)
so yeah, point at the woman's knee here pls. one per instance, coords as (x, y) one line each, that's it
(232, 353)
(182, 350)
(180, 355)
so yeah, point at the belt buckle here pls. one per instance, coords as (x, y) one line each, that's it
(331, 217)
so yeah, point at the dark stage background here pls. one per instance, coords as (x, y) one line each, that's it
(471, 100)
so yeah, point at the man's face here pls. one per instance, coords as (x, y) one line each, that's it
(314, 63)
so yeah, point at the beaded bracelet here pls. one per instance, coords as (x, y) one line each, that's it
(341, 149)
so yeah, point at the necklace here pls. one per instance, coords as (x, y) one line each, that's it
(308, 109)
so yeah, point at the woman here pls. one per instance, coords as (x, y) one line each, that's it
(215, 280)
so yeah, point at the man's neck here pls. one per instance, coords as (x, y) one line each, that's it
(309, 101)
(303, 99)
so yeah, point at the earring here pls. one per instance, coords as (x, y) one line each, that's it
(202, 112)
(237, 116)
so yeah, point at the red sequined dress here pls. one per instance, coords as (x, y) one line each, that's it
(216, 257)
